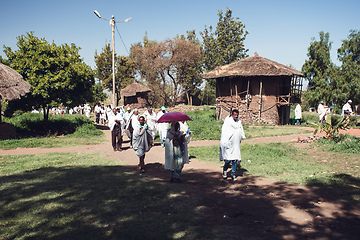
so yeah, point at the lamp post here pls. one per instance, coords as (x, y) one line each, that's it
(112, 23)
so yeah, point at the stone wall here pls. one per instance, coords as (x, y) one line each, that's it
(250, 113)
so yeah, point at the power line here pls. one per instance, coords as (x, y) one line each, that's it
(122, 40)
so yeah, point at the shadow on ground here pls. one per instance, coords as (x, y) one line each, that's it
(116, 202)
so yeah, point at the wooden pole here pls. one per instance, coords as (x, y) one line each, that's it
(247, 94)
(236, 92)
(260, 100)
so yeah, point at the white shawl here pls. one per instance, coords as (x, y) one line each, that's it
(231, 135)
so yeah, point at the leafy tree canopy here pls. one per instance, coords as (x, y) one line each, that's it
(57, 74)
(318, 69)
(223, 46)
(124, 70)
(349, 55)
(168, 67)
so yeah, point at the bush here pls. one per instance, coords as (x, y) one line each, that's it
(87, 129)
(33, 125)
(343, 143)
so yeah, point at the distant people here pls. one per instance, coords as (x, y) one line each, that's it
(131, 123)
(115, 125)
(176, 152)
(231, 135)
(162, 127)
(346, 109)
(150, 118)
(87, 110)
(97, 112)
(109, 110)
(102, 115)
(322, 112)
(184, 129)
(141, 141)
(127, 114)
(298, 114)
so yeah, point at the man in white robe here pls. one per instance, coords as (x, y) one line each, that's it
(231, 135)
(322, 112)
(133, 121)
(298, 114)
(115, 123)
(142, 141)
(87, 110)
(127, 115)
(162, 127)
(150, 118)
(346, 109)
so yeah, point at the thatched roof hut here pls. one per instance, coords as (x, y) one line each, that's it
(260, 88)
(252, 66)
(135, 95)
(12, 84)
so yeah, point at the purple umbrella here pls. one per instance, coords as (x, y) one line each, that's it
(174, 116)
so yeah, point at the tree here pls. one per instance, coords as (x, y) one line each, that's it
(193, 73)
(349, 55)
(167, 67)
(223, 46)
(319, 70)
(124, 70)
(98, 94)
(57, 74)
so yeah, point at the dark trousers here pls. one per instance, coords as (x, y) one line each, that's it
(116, 138)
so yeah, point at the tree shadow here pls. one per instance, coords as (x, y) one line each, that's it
(116, 202)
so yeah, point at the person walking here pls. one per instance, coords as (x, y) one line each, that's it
(162, 127)
(322, 112)
(97, 111)
(298, 114)
(141, 141)
(150, 118)
(176, 152)
(346, 109)
(115, 125)
(231, 135)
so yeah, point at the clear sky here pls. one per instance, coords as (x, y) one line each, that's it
(280, 30)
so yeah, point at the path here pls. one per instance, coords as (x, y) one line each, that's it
(309, 212)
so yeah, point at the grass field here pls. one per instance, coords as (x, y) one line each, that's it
(89, 196)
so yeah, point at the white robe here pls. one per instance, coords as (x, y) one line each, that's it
(162, 127)
(346, 107)
(184, 128)
(151, 121)
(112, 118)
(169, 147)
(141, 141)
(231, 135)
(298, 114)
(322, 112)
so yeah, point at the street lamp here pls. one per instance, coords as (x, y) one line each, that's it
(112, 23)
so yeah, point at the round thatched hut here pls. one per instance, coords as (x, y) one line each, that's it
(135, 95)
(12, 86)
(261, 89)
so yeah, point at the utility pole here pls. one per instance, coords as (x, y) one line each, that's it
(112, 23)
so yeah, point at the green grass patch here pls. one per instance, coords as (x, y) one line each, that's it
(287, 163)
(205, 127)
(85, 196)
(342, 143)
(61, 131)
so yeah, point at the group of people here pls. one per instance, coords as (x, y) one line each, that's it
(141, 131)
(176, 138)
(323, 111)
